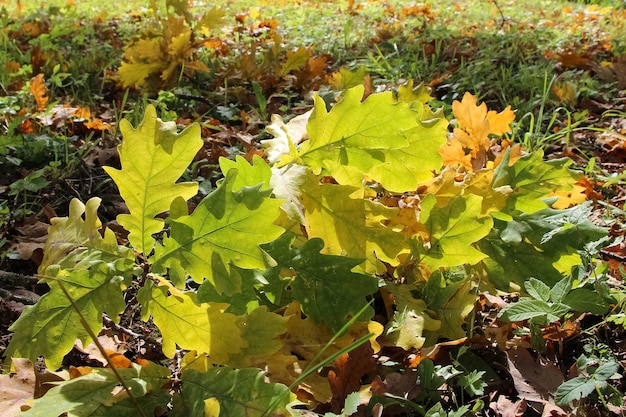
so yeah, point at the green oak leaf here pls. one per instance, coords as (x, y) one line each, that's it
(182, 321)
(349, 226)
(378, 138)
(239, 392)
(97, 394)
(532, 245)
(259, 172)
(324, 285)
(263, 333)
(153, 158)
(75, 235)
(226, 228)
(532, 179)
(452, 230)
(410, 319)
(50, 327)
(451, 302)
(256, 287)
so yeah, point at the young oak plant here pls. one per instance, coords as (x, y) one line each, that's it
(286, 253)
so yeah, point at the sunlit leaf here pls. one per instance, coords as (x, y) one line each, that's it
(226, 227)
(348, 226)
(55, 317)
(153, 157)
(184, 323)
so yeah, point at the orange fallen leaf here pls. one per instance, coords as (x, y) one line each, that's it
(39, 91)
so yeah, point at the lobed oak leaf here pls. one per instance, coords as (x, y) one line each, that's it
(319, 279)
(395, 143)
(93, 292)
(453, 154)
(226, 228)
(409, 94)
(452, 230)
(212, 19)
(345, 79)
(295, 60)
(234, 392)
(349, 226)
(203, 327)
(451, 302)
(153, 157)
(134, 74)
(500, 123)
(97, 393)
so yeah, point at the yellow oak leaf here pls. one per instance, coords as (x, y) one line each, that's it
(203, 327)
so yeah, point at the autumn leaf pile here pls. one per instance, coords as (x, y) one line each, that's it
(365, 251)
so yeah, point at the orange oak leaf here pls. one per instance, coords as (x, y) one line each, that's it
(39, 91)
(453, 154)
(500, 123)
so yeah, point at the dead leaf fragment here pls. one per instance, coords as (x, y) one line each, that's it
(17, 388)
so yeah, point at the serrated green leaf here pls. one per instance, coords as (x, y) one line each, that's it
(585, 300)
(226, 228)
(324, 285)
(94, 394)
(240, 392)
(527, 309)
(574, 389)
(524, 309)
(537, 289)
(452, 230)
(348, 226)
(531, 179)
(50, 327)
(73, 234)
(560, 289)
(532, 245)
(379, 139)
(153, 158)
(203, 327)
(473, 382)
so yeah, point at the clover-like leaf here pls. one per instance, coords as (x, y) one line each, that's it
(153, 158)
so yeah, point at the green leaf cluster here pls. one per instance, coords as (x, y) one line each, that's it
(283, 257)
